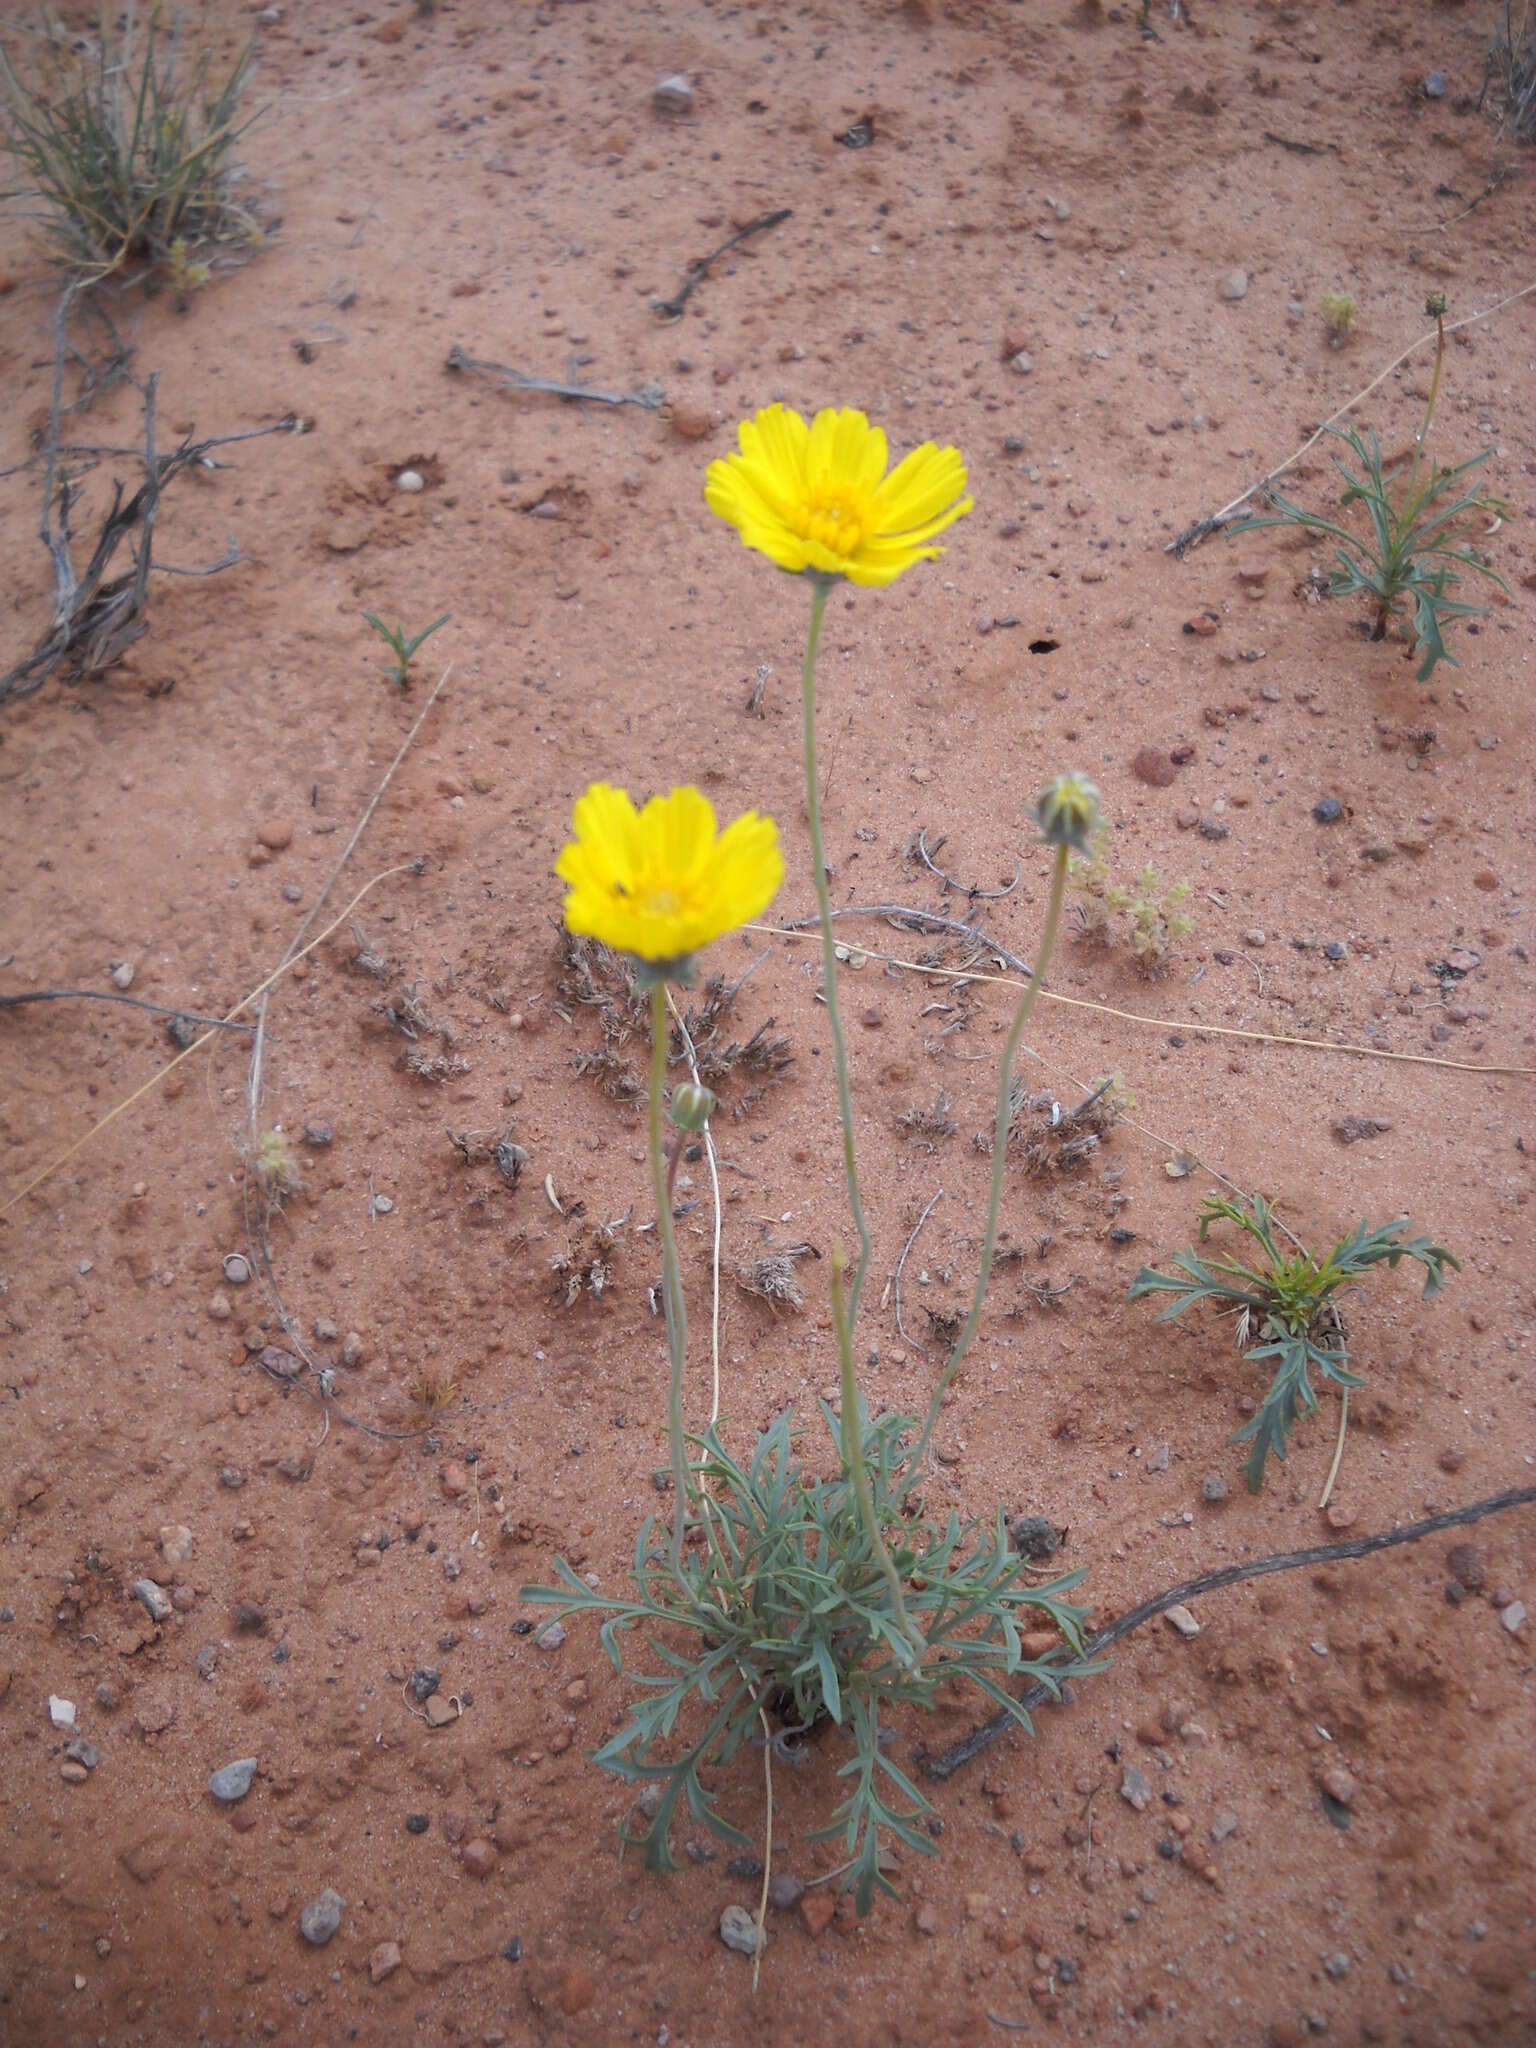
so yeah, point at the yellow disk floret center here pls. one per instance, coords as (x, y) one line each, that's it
(835, 516)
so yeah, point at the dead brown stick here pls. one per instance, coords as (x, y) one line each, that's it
(982, 1738)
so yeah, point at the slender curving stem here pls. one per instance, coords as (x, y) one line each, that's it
(821, 589)
(671, 1280)
(858, 1471)
(999, 1156)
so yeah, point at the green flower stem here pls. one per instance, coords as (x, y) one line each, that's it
(821, 589)
(999, 1155)
(1434, 382)
(858, 1471)
(671, 1280)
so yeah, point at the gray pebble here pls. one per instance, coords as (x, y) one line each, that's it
(207, 1661)
(122, 974)
(318, 1132)
(425, 1681)
(1327, 810)
(231, 1782)
(237, 1268)
(674, 95)
(785, 1891)
(1434, 86)
(410, 480)
(1337, 1965)
(321, 1918)
(1224, 1825)
(83, 1753)
(156, 1601)
(1235, 286)
(550, 1637)
(1134, 1789)
(738, 1930)
(1513, 1616)
(1213, 1487)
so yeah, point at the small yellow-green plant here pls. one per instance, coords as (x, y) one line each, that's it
(1151, 919)
(1340, 314)
(1285, 1309)
(277, 1171)
(121, 154)
(185, 276)
(1420, 528)
(403, 649)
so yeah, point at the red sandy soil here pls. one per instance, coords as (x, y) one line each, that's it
(1041, 177)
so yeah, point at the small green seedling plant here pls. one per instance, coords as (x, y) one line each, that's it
(403, 649)
(1285, 1310)
(1421, 522)
(122, 151)
(1153, 919)
(1340, 314)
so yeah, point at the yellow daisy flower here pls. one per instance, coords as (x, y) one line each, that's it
(658, 884)
(817, 497)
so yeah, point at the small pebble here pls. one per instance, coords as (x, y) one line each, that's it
(231, 1782)
(1134, 1789)
(237, 1269)
(384, 1961)
(1235, 285)
(738, 1930)
(410, 481)
(425, 1681)
(550, 1637)
(1327, 810)
(1434, 86)
(321, 1917)
(1213, 1487)
(122, 974)
(674, 95)
(479, 1857)
(1513, 1616)
(155, 1601)
(784, 1891)
(1182, 1620)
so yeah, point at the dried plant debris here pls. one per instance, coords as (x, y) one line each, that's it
(936, 1122)
(584, 1264)
(760, 1061)
(406, 1013)
(615, 1075)
(601, 979)
(431, 1392)
(1056, 1139)
(772, 1277)
(479, 1148)
(944, 1325)
(367, 958)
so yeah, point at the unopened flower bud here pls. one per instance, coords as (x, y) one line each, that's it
(692, 1106)
(1068, 812)
(1434, 305)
